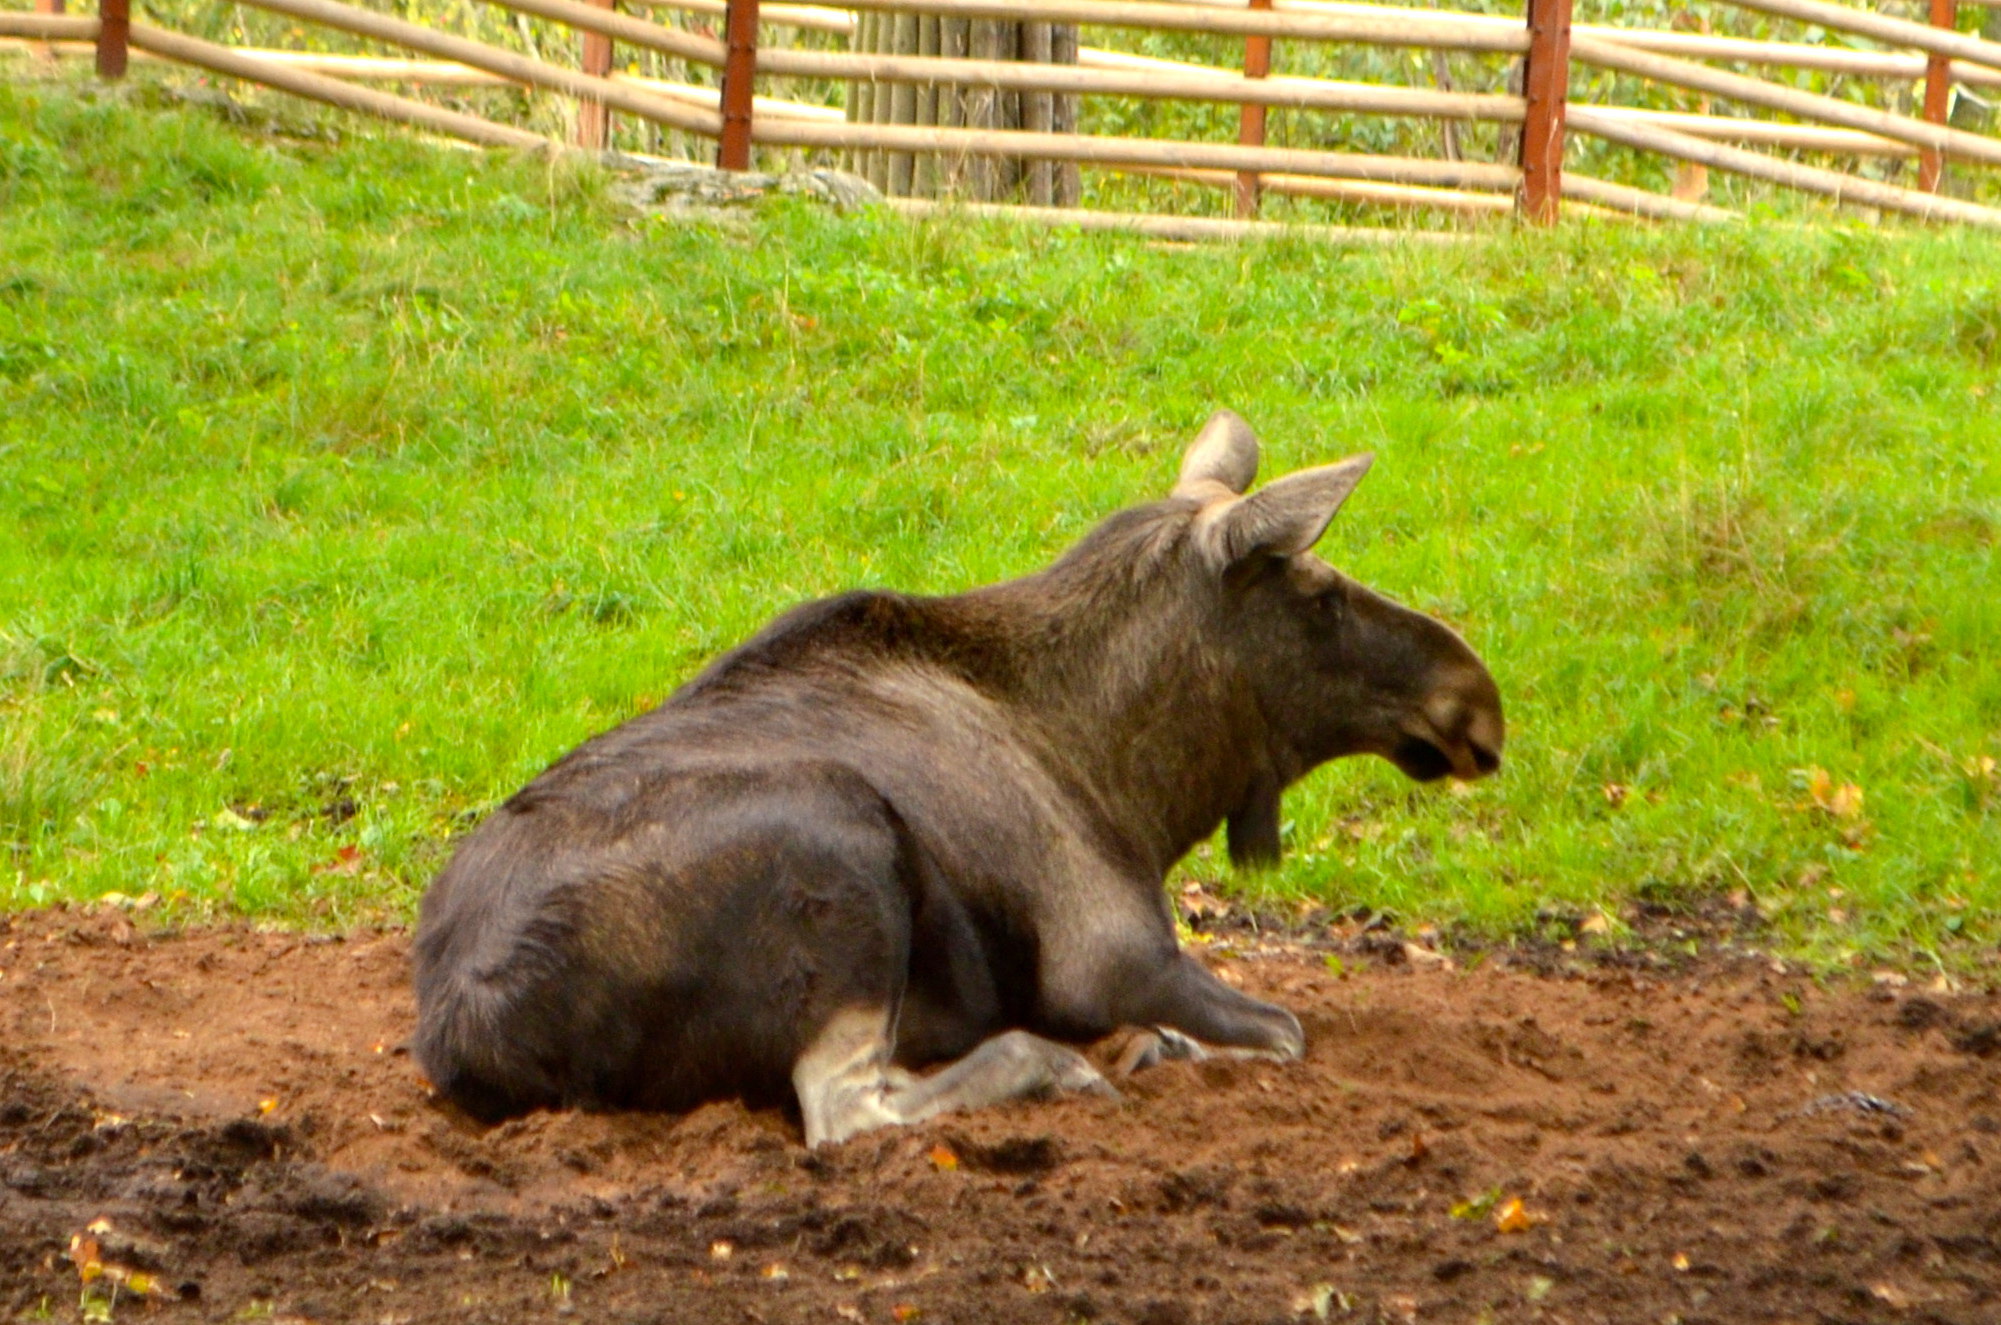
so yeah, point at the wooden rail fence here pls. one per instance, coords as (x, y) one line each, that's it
(1544, 44)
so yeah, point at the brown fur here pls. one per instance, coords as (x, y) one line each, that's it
(956, 811)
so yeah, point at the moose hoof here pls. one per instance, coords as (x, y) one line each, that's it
(1073, 1073)
(1161, 1044)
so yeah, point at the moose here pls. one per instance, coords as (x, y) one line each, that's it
(892, 832)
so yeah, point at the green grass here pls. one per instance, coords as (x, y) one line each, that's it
(342, 488)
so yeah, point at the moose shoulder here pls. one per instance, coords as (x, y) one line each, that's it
(890, 832)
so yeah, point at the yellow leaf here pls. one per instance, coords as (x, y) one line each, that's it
(942, 1158)
(267, 1104)
(1681, 1260)
(1513, 1217)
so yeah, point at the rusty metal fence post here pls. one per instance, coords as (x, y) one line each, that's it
(1546, 85)
(594, 117)
(1251, 117)
(114, 18)
(739, 74)
(1938, 95)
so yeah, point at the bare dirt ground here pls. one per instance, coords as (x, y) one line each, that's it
(224, 1125)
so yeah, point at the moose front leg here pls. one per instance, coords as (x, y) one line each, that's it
(1192, 1013)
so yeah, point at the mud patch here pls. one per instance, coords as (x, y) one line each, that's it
(231, 1116)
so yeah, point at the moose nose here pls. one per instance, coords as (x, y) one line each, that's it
(1487, 761)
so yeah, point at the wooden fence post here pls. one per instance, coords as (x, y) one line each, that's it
(739, 76)
(1938, 95)
(114, 30)
(1251, 118)
(1546, 85)
(593, 116)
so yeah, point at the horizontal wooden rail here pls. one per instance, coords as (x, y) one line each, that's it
(1405, 29)
(1632, 204)
(1789, 55)
(331, 91)
(1755, 165)
(1765, 133)
(812, 18)
(1883, 28)
(48, 27)
(1461, 201)
(519, 68)
(380, 68)
(623, 27)
(1187, 83)
(1094, 149)
(1806, 105)
(1169, 227)
(1821, 59)
(1640, 202)
(712, 97)
(450, 73)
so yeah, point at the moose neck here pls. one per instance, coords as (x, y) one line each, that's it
(1128, 708)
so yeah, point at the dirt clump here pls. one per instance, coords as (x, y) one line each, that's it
(225, 1124)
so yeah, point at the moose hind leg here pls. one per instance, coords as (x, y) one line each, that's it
(847, 1086)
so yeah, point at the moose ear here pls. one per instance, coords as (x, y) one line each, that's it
(1288, 516)
(1225, 452)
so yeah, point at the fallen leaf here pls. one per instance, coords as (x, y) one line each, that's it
(721, 1250)
(346, 860)
(1889, 1295)
(1538, 1288)
(1513, 1217)
(267, 1104)
(1680, 1260)
(776, 1272)
(1615, 794)
(1199, 904)
(83, 1254)
(1595, 923)
(1837, 800)
(1419, 955)
(1319, 1301)
(228, 818)
(942, 1158)
(905, 1311)
(1477, 1207)
(848, 1311)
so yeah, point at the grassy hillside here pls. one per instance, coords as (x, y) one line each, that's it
(343, 488)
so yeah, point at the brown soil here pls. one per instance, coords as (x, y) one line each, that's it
(1729, 1144)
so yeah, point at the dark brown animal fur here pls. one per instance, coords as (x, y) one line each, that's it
(950, 817)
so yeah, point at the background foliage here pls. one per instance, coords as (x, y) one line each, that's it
(243, 25)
